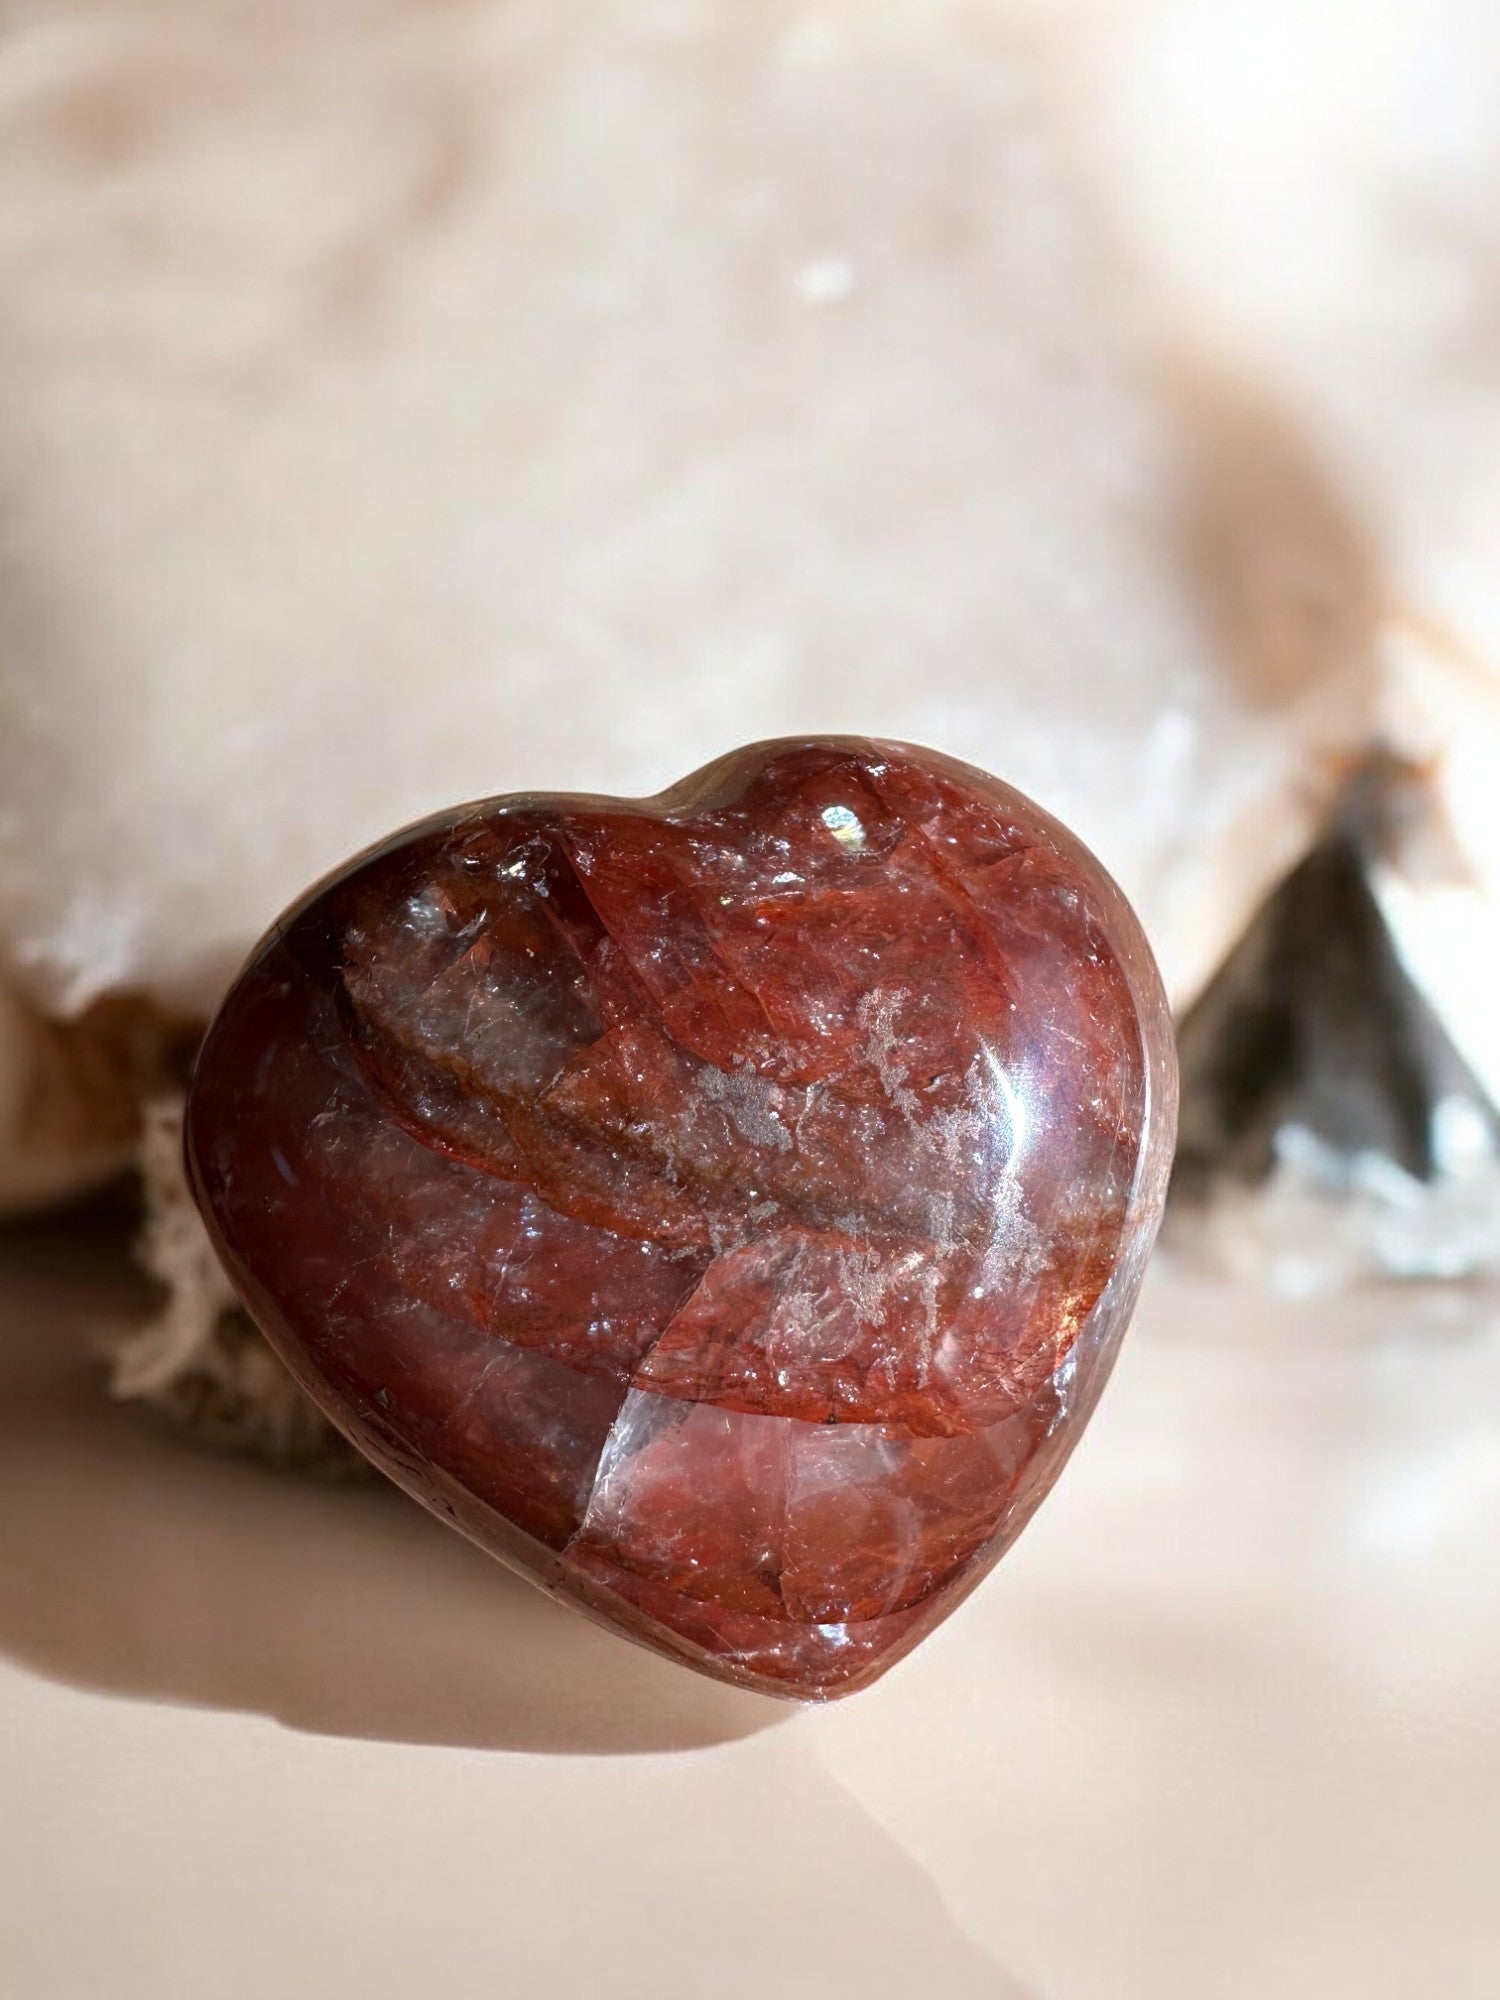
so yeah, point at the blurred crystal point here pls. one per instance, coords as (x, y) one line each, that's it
(1317, 1073)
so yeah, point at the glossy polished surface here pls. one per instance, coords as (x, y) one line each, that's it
(724, 1207)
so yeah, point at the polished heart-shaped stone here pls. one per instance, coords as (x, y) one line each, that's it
(725, 1206)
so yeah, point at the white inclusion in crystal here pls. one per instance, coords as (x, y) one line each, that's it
(749, 1103)
(425, 914)
(836, 1635)
(845, 827)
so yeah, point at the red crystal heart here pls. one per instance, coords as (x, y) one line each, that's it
(724, 1207)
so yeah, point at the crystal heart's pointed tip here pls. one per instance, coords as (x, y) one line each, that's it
(724, 1208)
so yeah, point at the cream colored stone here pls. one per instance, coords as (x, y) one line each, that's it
(404, 404)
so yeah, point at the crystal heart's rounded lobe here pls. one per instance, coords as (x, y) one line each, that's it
(725, 1207)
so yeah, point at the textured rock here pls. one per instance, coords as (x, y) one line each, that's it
(855, 436)
(724, 1207)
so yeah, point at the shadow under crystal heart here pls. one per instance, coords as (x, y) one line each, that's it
(138, 1564)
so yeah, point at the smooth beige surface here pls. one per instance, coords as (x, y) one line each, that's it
(1225, 1726)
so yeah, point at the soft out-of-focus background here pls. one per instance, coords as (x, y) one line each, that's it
(419, 399)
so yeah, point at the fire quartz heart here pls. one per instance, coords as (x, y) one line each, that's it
(723, 1207)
